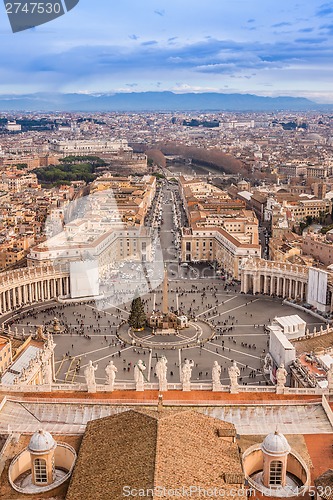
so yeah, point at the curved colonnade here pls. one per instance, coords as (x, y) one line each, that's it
(29, 286)
(32, 285)
(259, 276)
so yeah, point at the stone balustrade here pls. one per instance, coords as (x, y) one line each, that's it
(130, 386)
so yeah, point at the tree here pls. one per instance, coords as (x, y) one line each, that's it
(137, 317)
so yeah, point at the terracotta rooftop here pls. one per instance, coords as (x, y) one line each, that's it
(146, 450)
(2, 441)
(314, 344)
(312, 366)
(325, 481)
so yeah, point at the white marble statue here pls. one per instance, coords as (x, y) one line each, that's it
(186, 374)
(89, 374)
(23, 375)
(110, 372)
(50, 343)
(330, 377)
(47, 373)
(161, 372)
(139, 368)
(39, 333)
(233, 373)
(267, 363)
(216, 374)
(281, 376)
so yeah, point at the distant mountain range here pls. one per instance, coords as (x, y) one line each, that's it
(156, 101)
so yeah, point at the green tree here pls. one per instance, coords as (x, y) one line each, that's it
(137, 317)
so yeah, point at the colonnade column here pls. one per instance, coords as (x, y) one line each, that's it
(19, 295)
(9, 300)
(244, 283)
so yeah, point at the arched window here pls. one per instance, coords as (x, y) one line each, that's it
(275, 473)
(40, 471)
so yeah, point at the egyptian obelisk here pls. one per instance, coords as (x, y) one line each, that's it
(165, 304)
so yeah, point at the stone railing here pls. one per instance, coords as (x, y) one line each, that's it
(153, 386)
(305, 390)
(258, 264)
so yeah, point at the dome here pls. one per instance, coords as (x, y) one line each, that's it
(41, 442)
(275, 444)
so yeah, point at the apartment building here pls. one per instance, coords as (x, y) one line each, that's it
(5, 354)
(216, 244)
(87, 240)
(18, 180)
(109, 229)
(302, 209)
(319, 246)
(88, 146)
(221, 229)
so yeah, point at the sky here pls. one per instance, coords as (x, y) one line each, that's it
(263, 47)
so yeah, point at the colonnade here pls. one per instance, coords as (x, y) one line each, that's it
(31, 285)
(274, 278)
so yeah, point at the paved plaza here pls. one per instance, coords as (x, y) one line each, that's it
(90, 330)
(91, 334)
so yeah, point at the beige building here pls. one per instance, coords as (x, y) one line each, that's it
(318, 247)
(111, 229)
(216, 244)
(5, 354)
(32, 364)
(10, 255)
(83, 240)
(299, 211)
(221, 229)
(286, 248)
(88, 146)
(132, 195)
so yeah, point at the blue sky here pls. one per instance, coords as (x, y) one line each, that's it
(265, 47)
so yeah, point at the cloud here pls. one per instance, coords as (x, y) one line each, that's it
(122, 63)
(281, 25)
(311, 40)
(327, 28)
(305, 30)
(326, 9)
(219, 56)
(160, 12)
(251, 20)
(149, 42)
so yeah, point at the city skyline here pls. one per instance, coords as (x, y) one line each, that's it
(259, 48)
